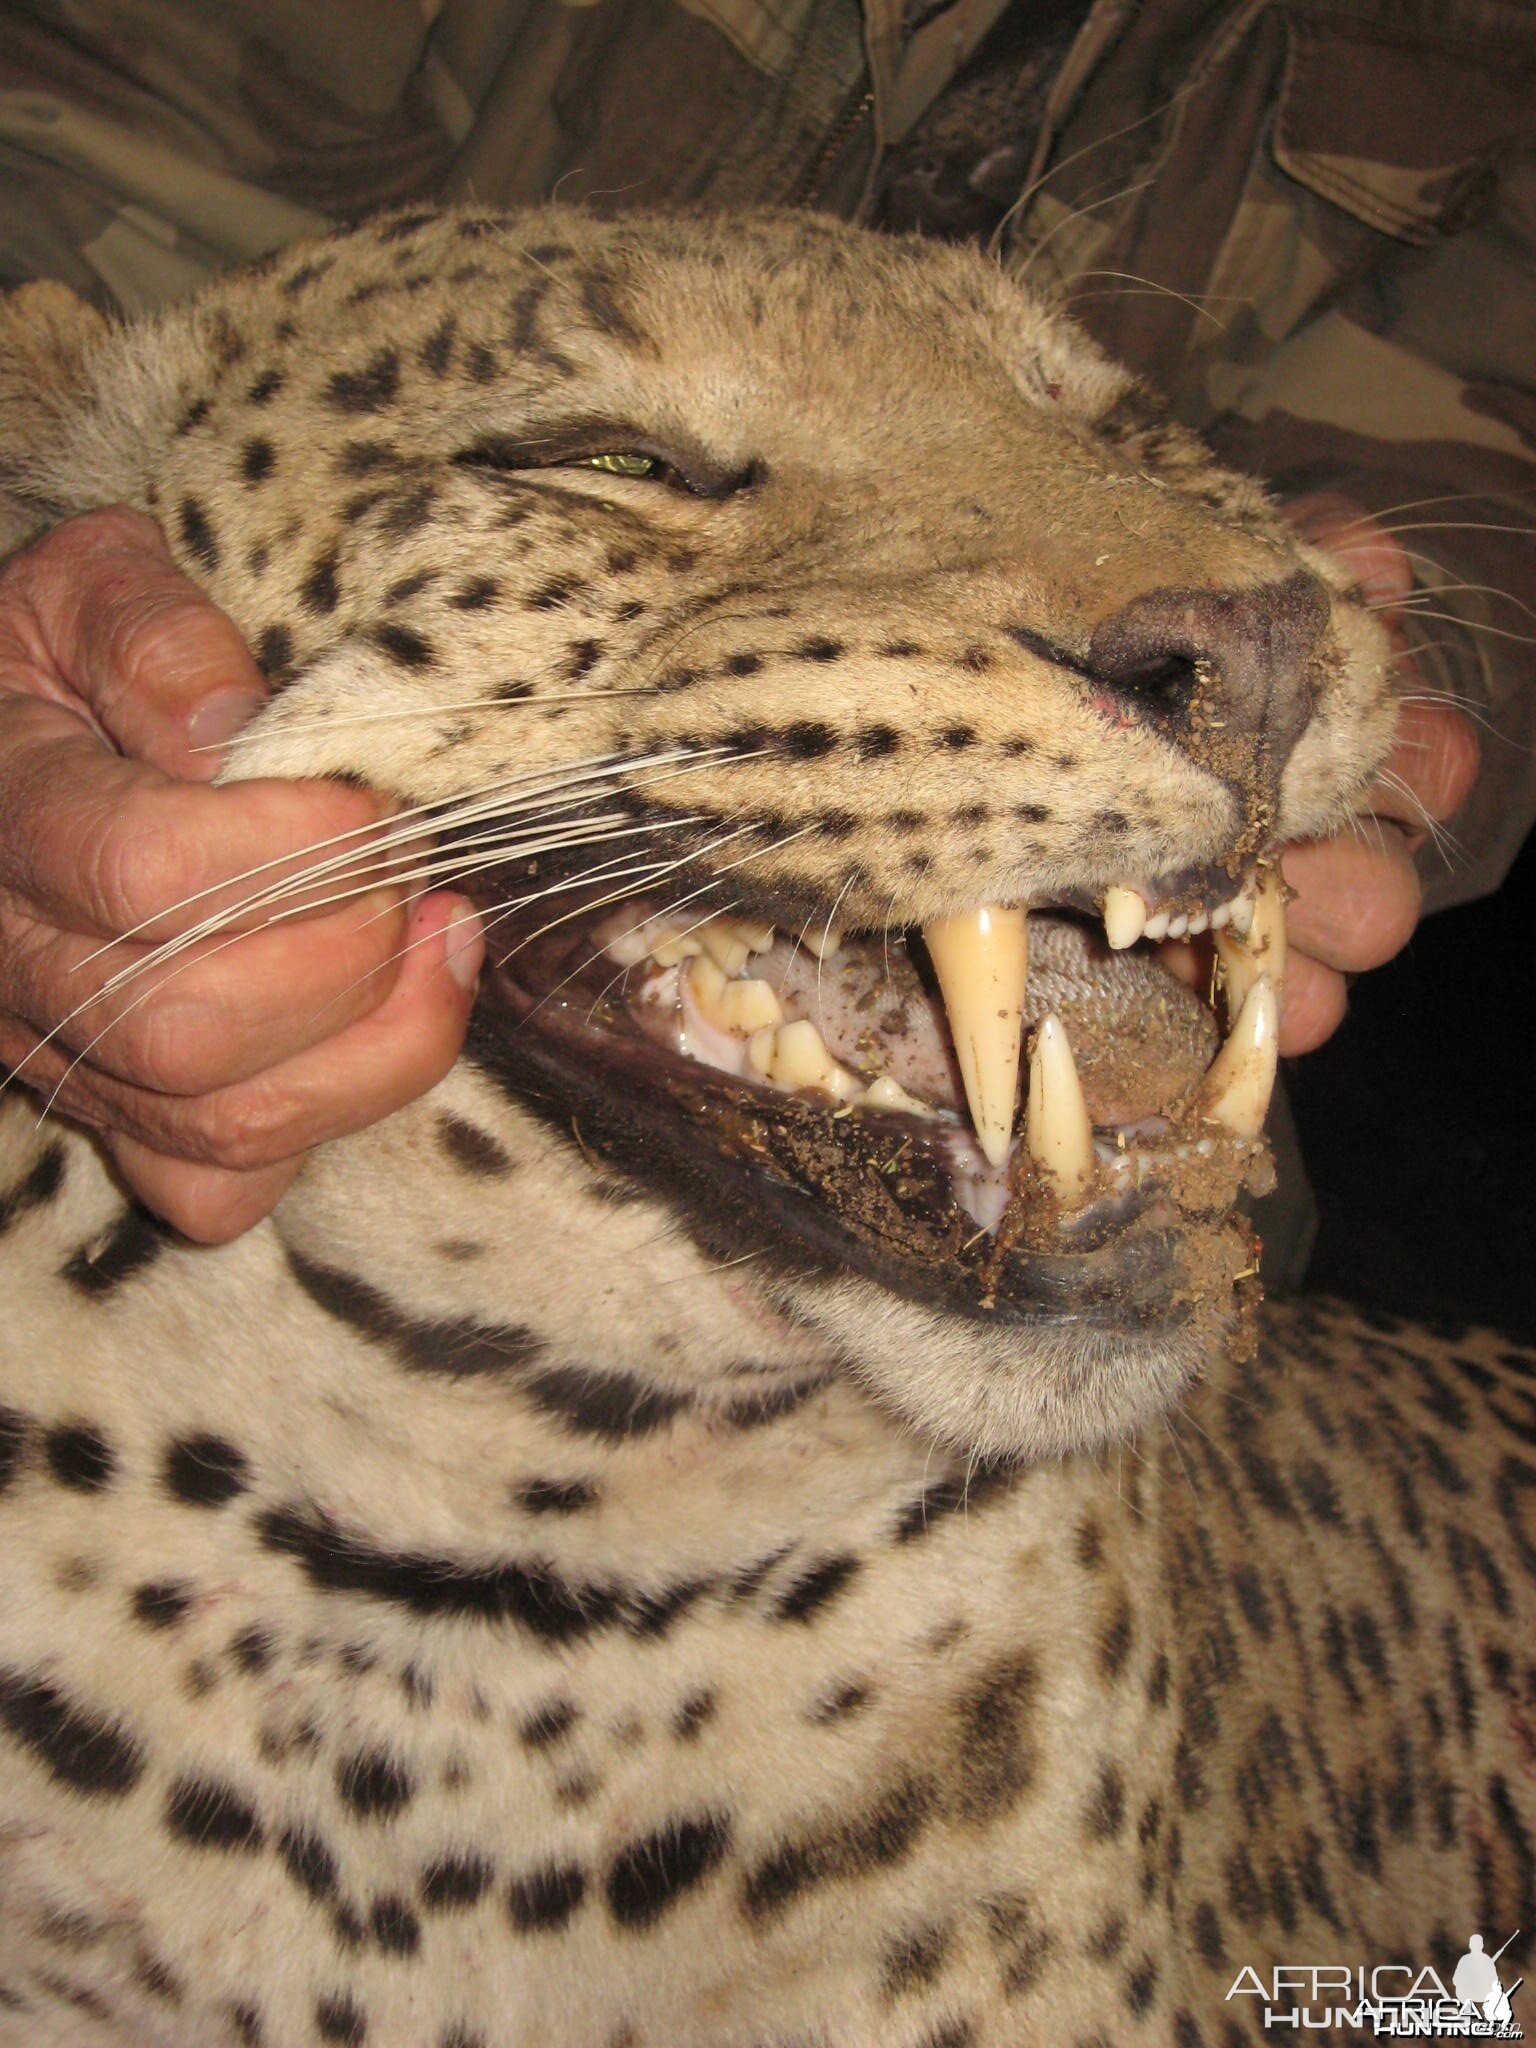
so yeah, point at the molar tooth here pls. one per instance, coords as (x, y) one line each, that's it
(1057, 1130)
(1258, 949)
(885, 1093)
(1125, 916)
(748, 1006)
(673, 947)
(1241, 1079)
(724, 944)
(706, 984)
(801, 1060)
(823, 939)
(981, 960)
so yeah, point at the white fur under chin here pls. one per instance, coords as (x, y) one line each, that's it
(1003, 1391)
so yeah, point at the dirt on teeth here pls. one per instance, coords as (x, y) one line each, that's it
(1138, 1038)
(1127, 1076)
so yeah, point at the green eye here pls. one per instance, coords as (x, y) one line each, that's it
(622, 465)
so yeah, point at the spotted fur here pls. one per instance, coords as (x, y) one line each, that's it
(485, 1606)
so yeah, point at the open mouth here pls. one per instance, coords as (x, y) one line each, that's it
(1008, 1114)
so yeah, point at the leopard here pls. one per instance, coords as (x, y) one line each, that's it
(705, 1531)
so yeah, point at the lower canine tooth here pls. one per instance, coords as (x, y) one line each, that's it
(1056, 1126)
(1125, 917)
(981, 958)
(1241, 1080)
(1258, 949)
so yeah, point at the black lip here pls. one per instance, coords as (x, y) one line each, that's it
(756, 1171)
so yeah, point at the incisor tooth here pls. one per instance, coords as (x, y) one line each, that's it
(1056, 1126)
(981, 958)
(760, 1050)
(1125, 917)
(1260, 949)
(1241, 1080)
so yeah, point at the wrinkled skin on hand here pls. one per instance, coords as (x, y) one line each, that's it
(119, 684)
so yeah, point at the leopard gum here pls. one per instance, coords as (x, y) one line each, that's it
(981, 958)
(1259, 950)
(1236, 1090)
(1057, 1130)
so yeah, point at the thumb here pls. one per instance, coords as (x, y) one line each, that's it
(135, 643)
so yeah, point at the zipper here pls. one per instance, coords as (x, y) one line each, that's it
(856, 110)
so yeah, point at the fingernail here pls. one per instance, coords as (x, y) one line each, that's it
(464, 947)
(222, 716)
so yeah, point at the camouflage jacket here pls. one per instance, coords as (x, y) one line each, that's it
(1312, 223)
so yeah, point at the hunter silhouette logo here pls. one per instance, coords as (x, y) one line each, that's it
(1392, 2001)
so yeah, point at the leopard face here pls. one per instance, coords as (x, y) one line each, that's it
(728, 603)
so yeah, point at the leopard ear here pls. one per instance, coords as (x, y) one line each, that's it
(48, 337)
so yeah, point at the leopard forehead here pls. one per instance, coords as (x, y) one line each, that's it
(892, 496)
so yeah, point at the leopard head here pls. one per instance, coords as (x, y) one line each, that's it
(780, 630)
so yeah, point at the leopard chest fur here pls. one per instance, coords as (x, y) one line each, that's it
(425, 1703)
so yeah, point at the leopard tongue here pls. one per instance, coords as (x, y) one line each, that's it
(981, 960)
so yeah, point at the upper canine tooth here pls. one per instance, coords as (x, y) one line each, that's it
(1057, 1130)
(1245, 954)
(981, 958)
(1241, 1079)
(1242, 907)
(1125, 916)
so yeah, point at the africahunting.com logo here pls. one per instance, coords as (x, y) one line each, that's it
(1398, 2001)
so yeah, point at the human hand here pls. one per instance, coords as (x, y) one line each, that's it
(209, 1089)
(1357, 895)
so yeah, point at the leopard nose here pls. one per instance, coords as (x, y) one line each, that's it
(1239, 657)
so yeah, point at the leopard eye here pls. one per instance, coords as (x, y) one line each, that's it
(621, 463)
